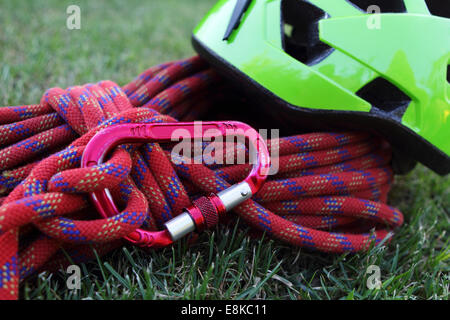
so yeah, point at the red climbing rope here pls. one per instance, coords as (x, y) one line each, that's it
(329, 194)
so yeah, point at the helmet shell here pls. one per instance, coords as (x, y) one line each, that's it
(387, 72)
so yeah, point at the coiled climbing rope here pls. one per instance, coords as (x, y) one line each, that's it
(329, 194)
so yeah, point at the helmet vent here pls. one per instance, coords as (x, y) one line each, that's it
(448, 73)
(300, 31)
(385, 97)
(439, 8)
(396, 6)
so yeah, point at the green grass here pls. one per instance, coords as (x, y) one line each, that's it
(117, 41)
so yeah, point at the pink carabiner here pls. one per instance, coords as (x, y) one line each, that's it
(193, 218)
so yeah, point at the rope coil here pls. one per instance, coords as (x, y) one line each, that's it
(330, 192)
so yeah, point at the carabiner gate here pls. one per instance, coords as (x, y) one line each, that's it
(195, 218)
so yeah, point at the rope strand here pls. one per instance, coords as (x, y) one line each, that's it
(328, 195)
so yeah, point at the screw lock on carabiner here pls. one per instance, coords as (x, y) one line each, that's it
(205, 211)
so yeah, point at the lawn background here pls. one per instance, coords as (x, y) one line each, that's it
(119, 39)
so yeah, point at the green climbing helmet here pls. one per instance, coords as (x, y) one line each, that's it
(371, 64)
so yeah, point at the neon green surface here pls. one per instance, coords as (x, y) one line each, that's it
(406, 42)
(410, 50)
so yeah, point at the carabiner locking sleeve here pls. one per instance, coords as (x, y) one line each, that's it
(205, 209)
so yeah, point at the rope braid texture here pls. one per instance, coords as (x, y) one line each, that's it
(329, 194)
